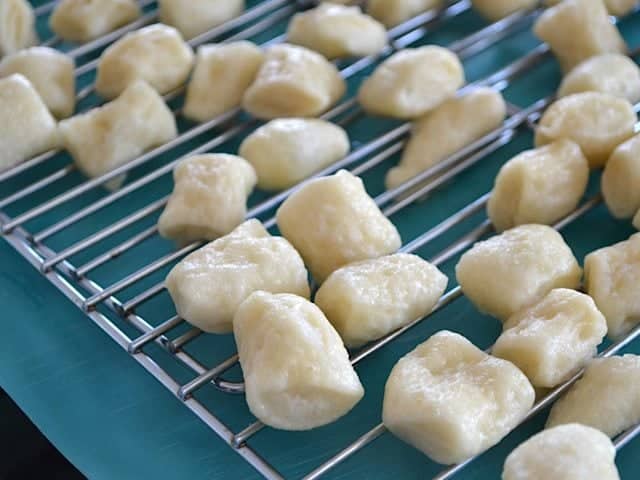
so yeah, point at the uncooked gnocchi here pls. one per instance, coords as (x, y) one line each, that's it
(296, 370)
(621, 179)
(614, 7)
(452, 401)
(17, 26)
(636, 220)
(394, 12)
(208, 285)
(497, 9)
(209, 197)
(193, 17)
(285, 151)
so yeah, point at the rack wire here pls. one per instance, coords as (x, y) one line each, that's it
(82, 237)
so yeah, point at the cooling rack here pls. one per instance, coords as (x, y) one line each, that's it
(101, 249)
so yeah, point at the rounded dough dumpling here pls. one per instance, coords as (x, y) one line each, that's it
(17, 26)
(636, 221)
(451, 400)
(394, 12)
(193, 17)
(208, 285)
(209, 198)
(332, 222)
(412, 82)
(494, 10)
(285, 151)
(597, 122)
(614, 7)
(296, 370)
(621, 179)
(366, 300)
(516, 269)
(293, 82)
(156, 54)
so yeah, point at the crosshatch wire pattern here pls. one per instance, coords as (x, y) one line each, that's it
(101, 248)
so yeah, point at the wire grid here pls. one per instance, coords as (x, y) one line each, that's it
(101, 248)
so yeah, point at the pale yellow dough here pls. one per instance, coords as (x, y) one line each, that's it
(17, 26)
(495, 10)
(614, 7)
(621, 179)
(193, 17)
(394, 12)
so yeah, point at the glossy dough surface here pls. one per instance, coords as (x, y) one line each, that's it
(17, 26)
(394, 12)
(494, 10)
(193, 17)
(621, 179)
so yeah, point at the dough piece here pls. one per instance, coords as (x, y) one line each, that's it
(607, 397)
(568, 452)
(452, 401)
(394, 12)
(106, 137)
(516, 269)
(452, 126)
(614, 7)
(50, 72)
(597, 122)
(156, 54)
(193, 17)
(578, 29)
(495, 10)
(288, 150)
(209, 198)
(208, 285)
(636, 221)
(83, 20)
(539, 186)
(621, 179)
(412, 82)
(610, 73)
(367, 300)
(554, 338)
(17, 26)
(337, 31)
(293, 82)
(222, 75)
(612, 276)
(333, 222)
(26, 126)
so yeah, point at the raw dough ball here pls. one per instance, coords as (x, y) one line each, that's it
(394, 12)
(597, 122)
(452, 401)
(607, 397)
(209, 198)
(26, 126)
(50, 72)
(288, 150)
(17, 26)
(452, 126)
(412, 82)
(208, 285)
(193, 17)
(636, 220)
(333, 222)
(367, 300)
(156, 54)
(554, 338)
(222, 75)
(495, 10)
(296, 370)
(621, 179)
(539, 186)
(516, 269)
(337, 31)
(83, 20)
(293, 82)
(612, 276)
(568, 452)
(614, 7)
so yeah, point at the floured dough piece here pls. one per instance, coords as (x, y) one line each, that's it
(286, 151)
(208, 285)
(156, 54)
(106, 137)
(597, 122)
(554, 338)
(26, 126)
(83, 20)
(539, 186)
(621, 179)
(636, 221)
(193, 17)
(578, 29)
(209, 197)
(17, 26)
(612, 276)
(452, 126)
(494, 10)
(366, 300)
(567, 452)
(394, 12)
(611, 73)
(516, 269)
(614, 7)
(607, 397)
(50, 72)
(452, 401)
(293, 82)
(412, 82)
(337, 31)
(333, 222)
(222, 75)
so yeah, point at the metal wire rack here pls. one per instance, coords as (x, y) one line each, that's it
(100, 248)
